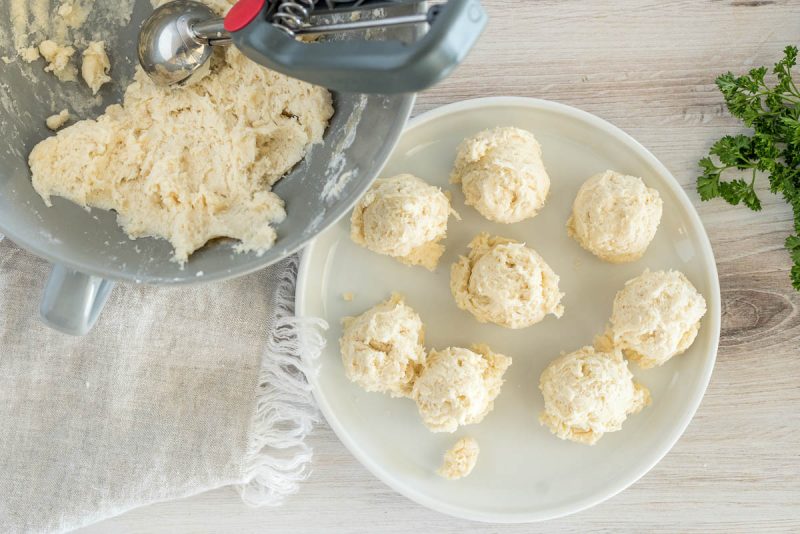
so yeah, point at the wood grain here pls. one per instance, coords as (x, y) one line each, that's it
(647, 66)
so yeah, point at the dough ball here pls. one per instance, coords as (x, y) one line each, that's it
(615, 216)
(504, 282)
(588, 393)
(402, 217)
(656, 316)
(460, 460)
(502, 174)
(458, 386)
(382, 349)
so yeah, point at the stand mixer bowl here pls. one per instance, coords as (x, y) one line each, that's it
(89, 250)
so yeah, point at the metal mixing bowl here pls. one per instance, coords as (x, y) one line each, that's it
(88, 248)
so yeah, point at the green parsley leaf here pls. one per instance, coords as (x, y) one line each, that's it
(773, 112)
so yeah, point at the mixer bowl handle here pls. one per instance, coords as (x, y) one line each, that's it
(72, 301)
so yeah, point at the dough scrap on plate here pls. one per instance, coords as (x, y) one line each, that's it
(460, 459)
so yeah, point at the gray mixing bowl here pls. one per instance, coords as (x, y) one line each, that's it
(89, 251)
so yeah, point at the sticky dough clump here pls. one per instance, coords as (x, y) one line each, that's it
(588, 393)
(193, 163)
(504, 282)
(502, 174)
(615, 216)
(458, 386)
(655, 317)
(382, 349)
(402, 217)
(460, 459)
(95, 66)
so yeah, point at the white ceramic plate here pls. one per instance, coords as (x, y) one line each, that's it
(524, 473)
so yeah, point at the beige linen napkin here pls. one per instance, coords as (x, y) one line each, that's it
(175, 391)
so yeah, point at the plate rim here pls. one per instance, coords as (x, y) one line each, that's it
(653, 458)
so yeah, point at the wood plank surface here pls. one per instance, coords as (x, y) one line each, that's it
(647, 66)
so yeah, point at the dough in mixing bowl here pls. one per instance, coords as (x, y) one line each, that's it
(95, 66)
(504, 282)
(403, 217)
(58, 60)
(460, 459)
(615, 216)
(190, 164)
(382, 349)
(54, 122)
(656, 316)
(458, 386)
(588, 393)
(502, 174)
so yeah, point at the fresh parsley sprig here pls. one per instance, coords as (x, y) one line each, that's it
(773, 112)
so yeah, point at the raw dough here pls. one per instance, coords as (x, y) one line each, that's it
(615, 216)
(190, 164)
(460, 460)
(403, 217)
(506, 283)
(656, 316)
(54, 122)
(458, 386)
(502, 174)
(58, 60)
(382, 349)
(95, 66)
(588, 393)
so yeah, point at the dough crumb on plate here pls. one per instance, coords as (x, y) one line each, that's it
(460, 459)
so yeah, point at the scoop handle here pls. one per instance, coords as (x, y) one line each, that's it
(362, 66)
(72, 300)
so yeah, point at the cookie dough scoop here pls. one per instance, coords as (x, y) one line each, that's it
(177, 40)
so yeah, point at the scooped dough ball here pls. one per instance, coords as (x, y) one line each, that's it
(502, 174)
(656, 316)
(382, 349)
(504, 282)
(402, 217)
(615, 216)
(588, 393)
(460, 460)
(458, 386)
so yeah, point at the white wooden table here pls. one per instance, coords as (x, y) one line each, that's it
(647, 66)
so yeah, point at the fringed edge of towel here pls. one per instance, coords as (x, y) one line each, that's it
(278, 458)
